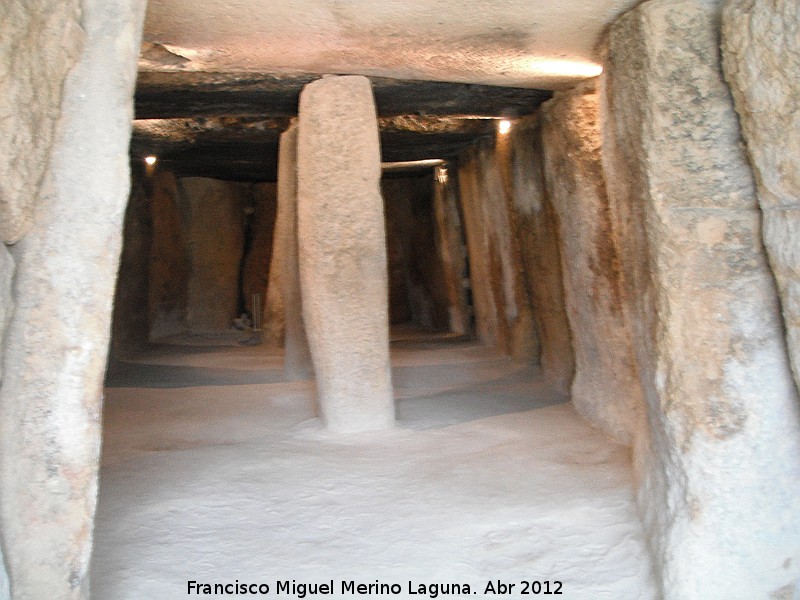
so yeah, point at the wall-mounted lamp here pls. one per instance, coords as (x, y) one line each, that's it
(504, 126)
(441, 174)
(150, 160)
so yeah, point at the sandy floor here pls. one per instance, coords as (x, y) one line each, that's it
(214, 470)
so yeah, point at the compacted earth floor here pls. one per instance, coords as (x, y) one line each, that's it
(216, 472)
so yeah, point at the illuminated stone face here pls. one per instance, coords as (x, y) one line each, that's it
(549, 45)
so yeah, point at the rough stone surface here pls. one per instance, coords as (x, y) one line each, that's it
(297, 364)
(212, 215)
(6, 308)
(503, 311)
(417, 284)
(169, 260)
(274, 308)
(719, 468)
(606, 388)
(343, 253)
(453, 251)
(536, 227)
(41, 41)
(131, 319)
(761, 57)
(259, 245)
(58, 336)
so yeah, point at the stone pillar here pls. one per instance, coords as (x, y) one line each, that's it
(606, 388)
(343, 253)
(502, 301)
(720, 470)
(450, 237)
(213, 224)
(57, 339)
(297, 363)
(256, 267)
(169, 259)
(761, 52)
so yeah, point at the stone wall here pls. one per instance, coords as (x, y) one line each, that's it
(168, 270)
(761, 50)
(131, 318)
(502, 300)
(259, 245)
(66, 266)
(417, 288)
(212, 217)
(719, 468)
(606, 388)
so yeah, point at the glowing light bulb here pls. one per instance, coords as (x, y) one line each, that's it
(504, 126)
(150, 160)
(441, 175)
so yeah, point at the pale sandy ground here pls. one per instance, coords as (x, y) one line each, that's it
(214, 470)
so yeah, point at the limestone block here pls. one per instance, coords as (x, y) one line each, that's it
(57, 340)
(502, 299)
(720, 465)
(606, 388)
(761, 57)
(212, 215)
(169, 259)
(536, 226)
(297, 363)
(41, 41)
(262, 273)
(410, 224)
(450, 236)
(130, 321)
(343, 253)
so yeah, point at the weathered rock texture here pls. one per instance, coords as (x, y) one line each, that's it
(212, 215)
(6, 308)
(169, 261)
(720, 472)
(131, 318)
(297, 364)
(535, 225)
(761, 50)
(260, 276)
(343, 253)
(416, 285)
(41, 42)
(453, 251)
(502, 300)
(63, 289)
(606, 388)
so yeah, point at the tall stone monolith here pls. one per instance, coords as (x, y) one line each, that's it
(719, 469)
(57, 340)
(342, 251)
(297, 363)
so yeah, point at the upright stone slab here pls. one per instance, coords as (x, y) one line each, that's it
(57, 340)
(297, 363)
(606, 388)
(761, 52)
(720, 471)
(42, 40)
(343, 253)
(213, 224)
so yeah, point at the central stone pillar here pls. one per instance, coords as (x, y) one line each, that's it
(342, 251)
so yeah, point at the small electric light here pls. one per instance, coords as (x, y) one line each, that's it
(441, 174)
(150, 160)
(504, 126)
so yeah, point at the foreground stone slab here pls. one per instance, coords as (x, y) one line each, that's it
(343, 253)
(761, 51)
(606, 388)
(57, 339)
(41, 42)
(720, 465)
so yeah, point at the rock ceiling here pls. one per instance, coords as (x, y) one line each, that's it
(219, 79)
